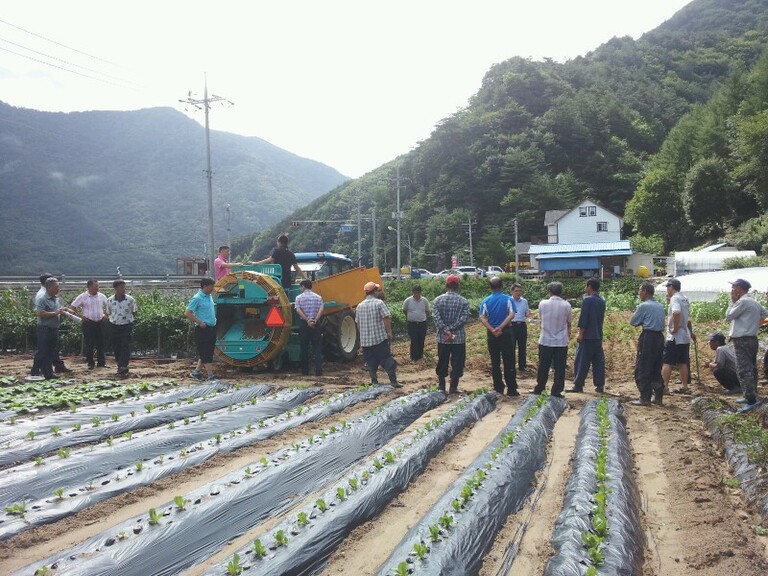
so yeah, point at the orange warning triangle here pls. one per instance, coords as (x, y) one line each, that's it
(275, 318)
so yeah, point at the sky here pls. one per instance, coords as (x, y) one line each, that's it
(350, 83)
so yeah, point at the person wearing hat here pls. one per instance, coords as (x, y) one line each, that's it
(496, 314)
(679, 335)
(724, 365)
(650, 346)
(745, 314)
(556, 316)
(450, 312)
(416, 309)
(375, 324)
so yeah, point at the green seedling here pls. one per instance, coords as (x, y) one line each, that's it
(139, 466)
(280, 538)
(217, 438)
(31, 434)
(341, 493)
(39, 461)
(332, 429)
(321, 505)
(377, 464)
(233, 566)
(264, 462)
(456, 504)
(353, 483)
(18, 509)
(186, 420)
(56, 430)
(133, 413)
(247, 469)
(63, 452)
(731, 482)
(402, 569)
(96, 421)
(303, 519)
(202, 415)
(154, 517)
(42, 571)
(420, 550)
(248, 427)
(761, 531)
(259, 550)
(466, 493)
(59, 493)
(389, 457)
(110, 440)
(171, 425)
(128, 435)
(446, 520)
(76, 427)
(115, 417)
(434, 533)
(180, 502)
(296, 447)
(365, 475)
(149, 407)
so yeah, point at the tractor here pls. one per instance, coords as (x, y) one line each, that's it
(256, 324)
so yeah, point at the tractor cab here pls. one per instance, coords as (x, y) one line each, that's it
(318, 265)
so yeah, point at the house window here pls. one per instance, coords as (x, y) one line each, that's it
(592, 210)
(602, 226)
(582, 211)
(587, 211)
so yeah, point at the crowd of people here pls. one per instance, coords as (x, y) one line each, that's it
(662, 345)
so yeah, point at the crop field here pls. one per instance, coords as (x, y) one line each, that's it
(278, 473)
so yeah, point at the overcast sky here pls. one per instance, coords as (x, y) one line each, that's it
(350, 83)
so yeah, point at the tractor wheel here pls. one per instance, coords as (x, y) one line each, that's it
(341, 340)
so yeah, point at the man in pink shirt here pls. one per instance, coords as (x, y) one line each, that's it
(222, 264)
(93, 305)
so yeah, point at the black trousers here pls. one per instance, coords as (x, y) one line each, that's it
(93, 336)
(501, 350)
(417, 332)
(520, 342)
(313, 337)
(121, 343)
(47, 342)
(551, 356)
(727, 378)
(455, 355)
(650, 350)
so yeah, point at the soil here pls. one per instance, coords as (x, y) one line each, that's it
(694, 522)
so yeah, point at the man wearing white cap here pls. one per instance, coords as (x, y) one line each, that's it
(744, 314)
(375, 324)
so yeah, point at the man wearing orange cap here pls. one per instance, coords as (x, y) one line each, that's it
(450, 311)
(375, 324)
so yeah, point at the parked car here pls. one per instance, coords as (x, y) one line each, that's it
(423, 273)
(445, 273)
(469, 271)
(494, 270)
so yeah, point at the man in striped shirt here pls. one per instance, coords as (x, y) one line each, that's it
(309, 307)
(94, 305)
(556, 317)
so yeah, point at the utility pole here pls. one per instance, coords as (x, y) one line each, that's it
(398, 215)
(359, 236)
(373, 219)
(205, 104)
(517, 256)
(229, 218)
(471, 253)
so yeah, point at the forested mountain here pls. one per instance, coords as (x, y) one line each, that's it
(543, 135)
(88, 191)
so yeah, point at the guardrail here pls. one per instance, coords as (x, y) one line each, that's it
(70, 280)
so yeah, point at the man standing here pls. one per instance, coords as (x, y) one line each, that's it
(744, 314)
(590, 339)
(556, 317)
(58, 363)
(287, 259)
(650, 347)
(93, 305)
(496, 314)
(122, 312)
(520, 327)
(48, 310)
(309, 307)
(679, 334)
(724, 365)
(375, 324)
(222, 265)
(450, 312)
(416, 309)
(202, 311)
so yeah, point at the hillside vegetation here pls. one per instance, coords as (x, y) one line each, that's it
(543, 135)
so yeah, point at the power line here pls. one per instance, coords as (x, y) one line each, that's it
(66, 69)
(58, 43)
(64, 61)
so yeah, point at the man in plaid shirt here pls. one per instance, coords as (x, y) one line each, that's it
(450, 311)
(309, 307)
(375, 324)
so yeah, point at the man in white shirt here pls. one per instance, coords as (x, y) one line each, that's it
(556, 317)
(416, 309)
(93, 305)
(679, 335)
(745, 314)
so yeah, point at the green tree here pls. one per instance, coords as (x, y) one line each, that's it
(707, 185)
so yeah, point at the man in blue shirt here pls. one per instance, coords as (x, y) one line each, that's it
(650, 347)
(496, 314)
(590, 339)
(202, 311)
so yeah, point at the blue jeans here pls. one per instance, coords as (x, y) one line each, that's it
(47, 341)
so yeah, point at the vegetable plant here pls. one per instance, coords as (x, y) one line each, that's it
(280, 538)
(341, 493)
(39, 461)
(18, 509)
(303, 519)
(31, 434)
(59, 493)
(420, 550)
(434, 533)
(63, 452)
(154, 517)
(180, 502)
(233, 566)
(321, 505)
(259, 550)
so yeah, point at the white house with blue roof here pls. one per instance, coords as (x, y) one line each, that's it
(584, 240)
